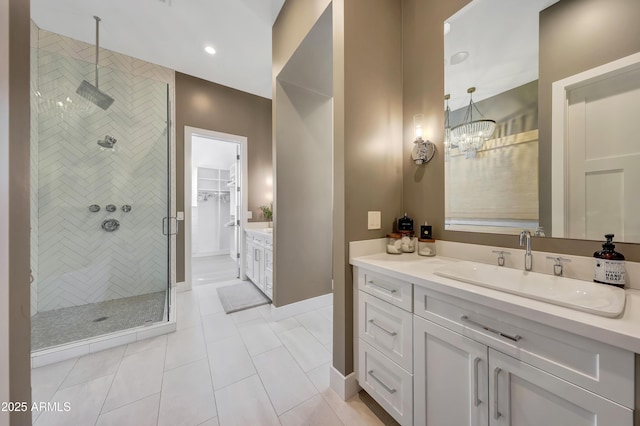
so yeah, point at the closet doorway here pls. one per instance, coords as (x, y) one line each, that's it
(214, 200)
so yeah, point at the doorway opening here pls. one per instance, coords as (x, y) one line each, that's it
(214, 199)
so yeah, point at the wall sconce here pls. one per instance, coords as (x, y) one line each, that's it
(423, 150)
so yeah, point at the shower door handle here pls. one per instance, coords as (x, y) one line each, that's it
(166, 226)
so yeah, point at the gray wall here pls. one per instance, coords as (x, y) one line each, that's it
(367, 130)
(211, 106)
(423, 54)
(303, 201)
(372, 139)
(303, 146)
(15, 371)
(423, 92)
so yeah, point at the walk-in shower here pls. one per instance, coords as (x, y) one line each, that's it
(99, 254)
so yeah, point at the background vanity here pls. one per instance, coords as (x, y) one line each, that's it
(259, 259)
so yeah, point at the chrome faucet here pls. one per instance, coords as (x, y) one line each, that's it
(557, 267)
(525, 240)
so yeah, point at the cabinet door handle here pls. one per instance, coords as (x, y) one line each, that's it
(476, 400)
(390, 333)
(515, 338)
(387, 388)
(373, 283)
(496, 413)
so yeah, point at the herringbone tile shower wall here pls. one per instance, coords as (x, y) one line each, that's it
(77, 261)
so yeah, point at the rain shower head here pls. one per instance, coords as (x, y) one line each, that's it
(94, 95)
(107, 142)
(88, 90)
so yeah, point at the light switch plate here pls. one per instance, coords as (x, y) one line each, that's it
(249, 214)
(180, 215)
(373, 220)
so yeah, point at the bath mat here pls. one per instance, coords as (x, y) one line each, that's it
(238, 297)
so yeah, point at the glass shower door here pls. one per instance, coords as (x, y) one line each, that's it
(100, 190)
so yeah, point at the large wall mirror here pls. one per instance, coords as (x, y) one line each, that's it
(562, 156)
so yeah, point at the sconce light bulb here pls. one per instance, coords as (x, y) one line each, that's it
(419, 133)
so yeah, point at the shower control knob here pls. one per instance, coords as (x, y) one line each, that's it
(93, 208)
(126, 208)
(110, 208)
(110, 225)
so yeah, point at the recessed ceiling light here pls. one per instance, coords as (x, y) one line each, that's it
(210, 50)
(459, 57)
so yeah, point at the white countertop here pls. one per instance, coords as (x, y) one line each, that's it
(259, 231)
(623, 332)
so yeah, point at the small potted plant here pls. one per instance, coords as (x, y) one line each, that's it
(267, 213)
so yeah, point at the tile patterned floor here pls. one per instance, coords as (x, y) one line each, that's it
(209, 269)
(216, 369)
(60, 326)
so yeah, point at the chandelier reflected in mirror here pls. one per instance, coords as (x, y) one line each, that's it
(469, 136)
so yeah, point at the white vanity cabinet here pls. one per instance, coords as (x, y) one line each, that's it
(259, 260)
(385, 343)
(474, 365)
(499, 369)
(451, 386)
(463, 382)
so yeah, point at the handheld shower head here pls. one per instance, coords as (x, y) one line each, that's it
(107, 142)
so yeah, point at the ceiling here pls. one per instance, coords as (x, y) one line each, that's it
(173, 33)
(501, 37)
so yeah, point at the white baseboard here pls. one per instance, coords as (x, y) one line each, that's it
(345, 387)
(182, 286)
(210, 253)
(297, 308)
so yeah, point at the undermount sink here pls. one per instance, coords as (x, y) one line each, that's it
(598, 299)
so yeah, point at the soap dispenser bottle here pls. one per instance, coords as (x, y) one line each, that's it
(608, 265)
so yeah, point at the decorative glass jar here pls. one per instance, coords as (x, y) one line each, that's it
(426, 247)
(407, 242)
(394, 244)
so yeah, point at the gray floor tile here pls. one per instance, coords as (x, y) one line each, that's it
(143, 412)
(187, 395)
(245, 403)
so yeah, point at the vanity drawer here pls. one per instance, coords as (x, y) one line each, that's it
(387, 328)
(387, 383)
(596, 366)
(394, 291)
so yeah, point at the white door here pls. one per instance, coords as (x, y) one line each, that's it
(235, 204)
(522, 395)
(603, 154)
(450, 377)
